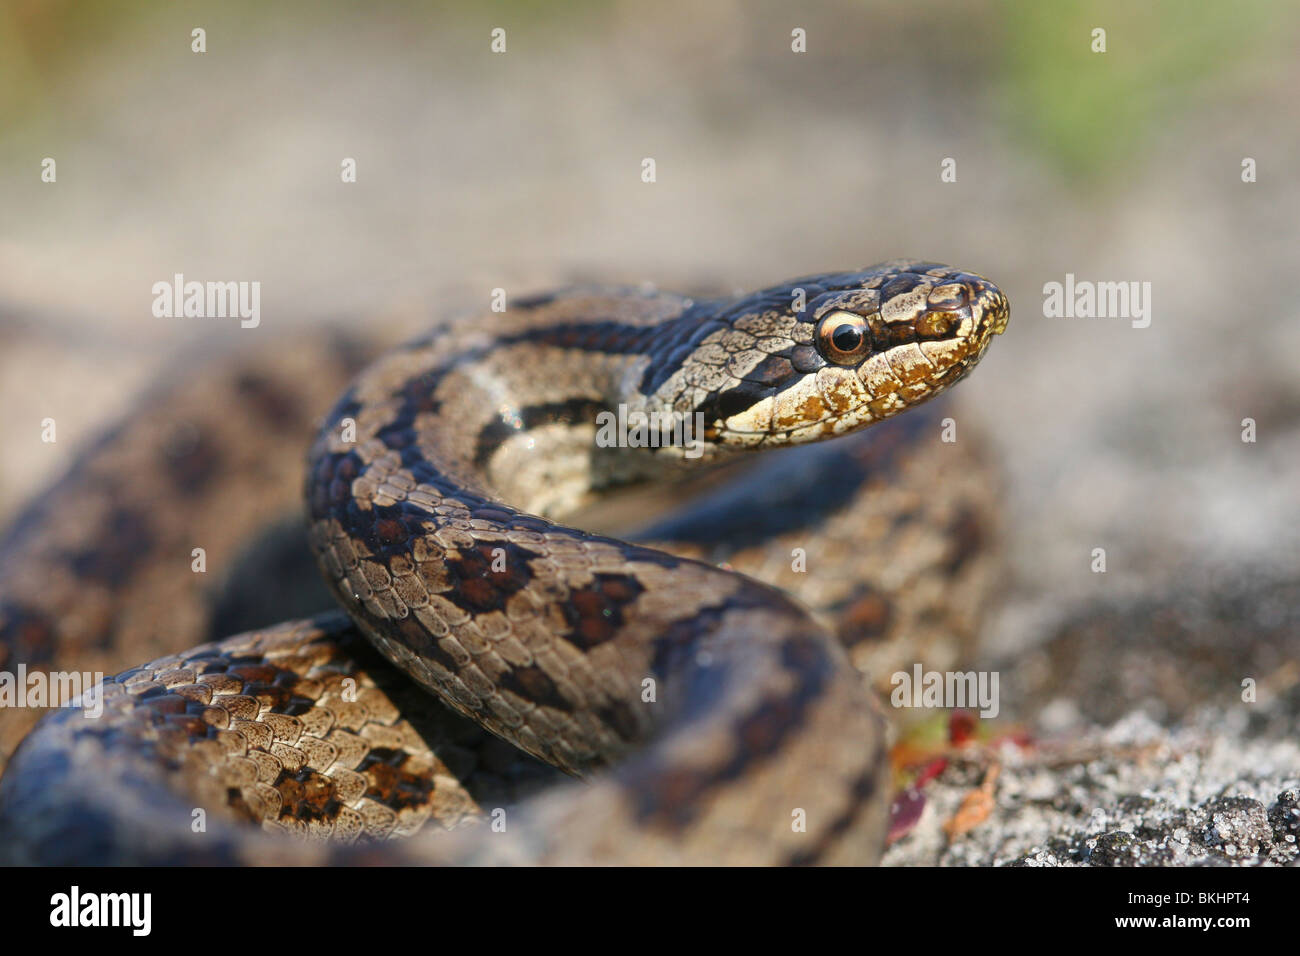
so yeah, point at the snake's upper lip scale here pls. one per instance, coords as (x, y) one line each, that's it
(956, 372)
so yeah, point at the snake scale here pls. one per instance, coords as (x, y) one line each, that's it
(699, 680)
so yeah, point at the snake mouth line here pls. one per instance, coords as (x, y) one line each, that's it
(941, 383)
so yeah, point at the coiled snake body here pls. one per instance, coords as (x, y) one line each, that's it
(716, 718)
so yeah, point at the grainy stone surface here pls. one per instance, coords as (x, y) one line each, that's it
(1145, 752)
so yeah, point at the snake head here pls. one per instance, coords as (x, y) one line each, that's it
(829, 354)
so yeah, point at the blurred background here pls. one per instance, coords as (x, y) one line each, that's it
(523, 170)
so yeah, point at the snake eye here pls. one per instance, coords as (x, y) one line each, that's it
(843, 337)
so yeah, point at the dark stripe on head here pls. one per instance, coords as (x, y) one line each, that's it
(418, 395)
(767, 378)
(674, 341)
(720, 406)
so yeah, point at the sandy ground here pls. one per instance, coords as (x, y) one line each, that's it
(523, 170)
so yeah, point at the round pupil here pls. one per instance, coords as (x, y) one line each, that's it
(846, 338)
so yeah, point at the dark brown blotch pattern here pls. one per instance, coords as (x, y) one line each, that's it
(476, 586)
(595, 614)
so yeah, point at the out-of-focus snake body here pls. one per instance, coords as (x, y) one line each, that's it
(715, 718)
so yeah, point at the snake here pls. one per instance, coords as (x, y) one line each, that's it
(498, 681)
